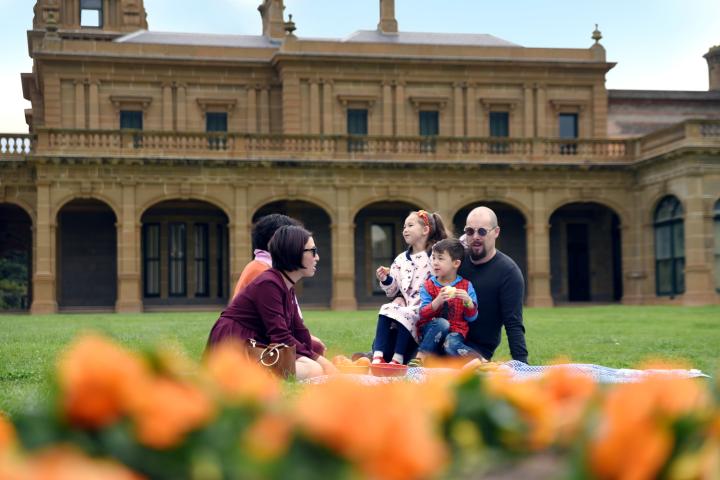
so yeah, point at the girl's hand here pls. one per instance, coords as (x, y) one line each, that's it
(399, 301)
(382, 273)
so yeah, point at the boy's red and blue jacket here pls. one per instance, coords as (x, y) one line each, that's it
(453, 310)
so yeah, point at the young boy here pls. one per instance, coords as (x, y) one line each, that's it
(448, 303)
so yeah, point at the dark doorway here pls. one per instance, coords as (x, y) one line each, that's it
(578, 256)
(315, 291)
(87, 260)
(15, 258)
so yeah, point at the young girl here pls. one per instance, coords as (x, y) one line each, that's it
(396, 335)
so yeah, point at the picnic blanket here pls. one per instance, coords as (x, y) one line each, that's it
(522, 371)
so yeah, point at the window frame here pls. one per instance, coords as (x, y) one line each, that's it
(676, 226)
(147, 259)
(202, 260)
(716, 225)
(180, 261)
(99, 9)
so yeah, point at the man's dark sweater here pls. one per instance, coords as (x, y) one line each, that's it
(500, 287)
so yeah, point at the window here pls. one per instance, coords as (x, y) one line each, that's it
(357, 124)
(216, 124)
(429, 121)
(176, 260)
(669, 247)
(568, 128)
(382, 239)
(202, 278)
(131, 119)
(717, 245)
(499, 127)
(91, 13)
(151, 259)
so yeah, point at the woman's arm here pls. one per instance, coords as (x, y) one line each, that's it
(270, 301)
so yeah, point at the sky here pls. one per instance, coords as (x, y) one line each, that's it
(657, 44)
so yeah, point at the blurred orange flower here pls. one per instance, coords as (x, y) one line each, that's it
(7, 434)
(634, 439)
(63, 463)
(96, 379)
(534, 404)
(165, 410)
(570, 391)
(238, 378)
(268, 438)
(385, 431)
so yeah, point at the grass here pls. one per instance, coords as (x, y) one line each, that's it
(614, 336)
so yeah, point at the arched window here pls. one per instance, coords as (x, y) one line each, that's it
(669, 247)
(717, 245)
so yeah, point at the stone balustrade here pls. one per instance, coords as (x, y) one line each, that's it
(14, 146)
(346, 148)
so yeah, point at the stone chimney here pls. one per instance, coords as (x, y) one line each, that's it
(271, 12)
(387, 23)
(713, 61)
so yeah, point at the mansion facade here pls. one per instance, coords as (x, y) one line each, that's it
(150, 155)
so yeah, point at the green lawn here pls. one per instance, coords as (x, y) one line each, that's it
(615, 336)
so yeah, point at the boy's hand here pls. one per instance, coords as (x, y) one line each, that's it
(442, 297)
(463, 294)
(382, 273)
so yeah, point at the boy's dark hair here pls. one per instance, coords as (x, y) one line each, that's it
(452, 246)
(287, 247)
(265, 228)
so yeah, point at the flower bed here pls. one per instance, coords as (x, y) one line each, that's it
(119, 414)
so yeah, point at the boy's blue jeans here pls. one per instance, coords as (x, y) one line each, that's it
(437, 339)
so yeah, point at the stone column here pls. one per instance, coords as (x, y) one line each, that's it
(458, 111)
(252, 110)
(540, 108)
(631, 238)
(128, 263)
(699, 285)
(240, 242)
(314, 107)
(538, 242)
(328, 108)
(44, 300)
(181, 108)
(599, 111)
(94, 106)
(264, 104)
(291, 105)
(343, 238)
(400, 127)
(167, 107)
(80, 104)
(387, 107)
(528, 129)
(472, 118)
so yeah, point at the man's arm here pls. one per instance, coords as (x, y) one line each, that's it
(511, 308)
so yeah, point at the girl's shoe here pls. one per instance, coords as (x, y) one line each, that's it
(394, 362)
(377, 361)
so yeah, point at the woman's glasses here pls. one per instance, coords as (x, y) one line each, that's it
(314, 251)
(469, 231)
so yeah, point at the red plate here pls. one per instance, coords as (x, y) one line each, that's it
(388, 370)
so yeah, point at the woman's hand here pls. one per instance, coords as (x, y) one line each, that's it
(319, 342)
(382, 273)
(327, 366)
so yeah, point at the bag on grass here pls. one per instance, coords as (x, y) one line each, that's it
(279, 358)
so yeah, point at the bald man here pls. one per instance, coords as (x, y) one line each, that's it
(499, 285)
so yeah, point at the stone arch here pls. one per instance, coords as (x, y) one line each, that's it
(214, 201)
(620, 210)
(408, 199)
(583, 237)
(517, 205)
(184, 253)
(315, 291)
(378, 240)
(653, 201)
(66, 199)
(16, 257)
(313, 200)
(86, 254)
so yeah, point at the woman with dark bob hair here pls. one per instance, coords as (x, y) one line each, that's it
(266, 310)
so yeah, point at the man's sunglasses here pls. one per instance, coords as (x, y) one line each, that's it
(314, 251)
(469, 231)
